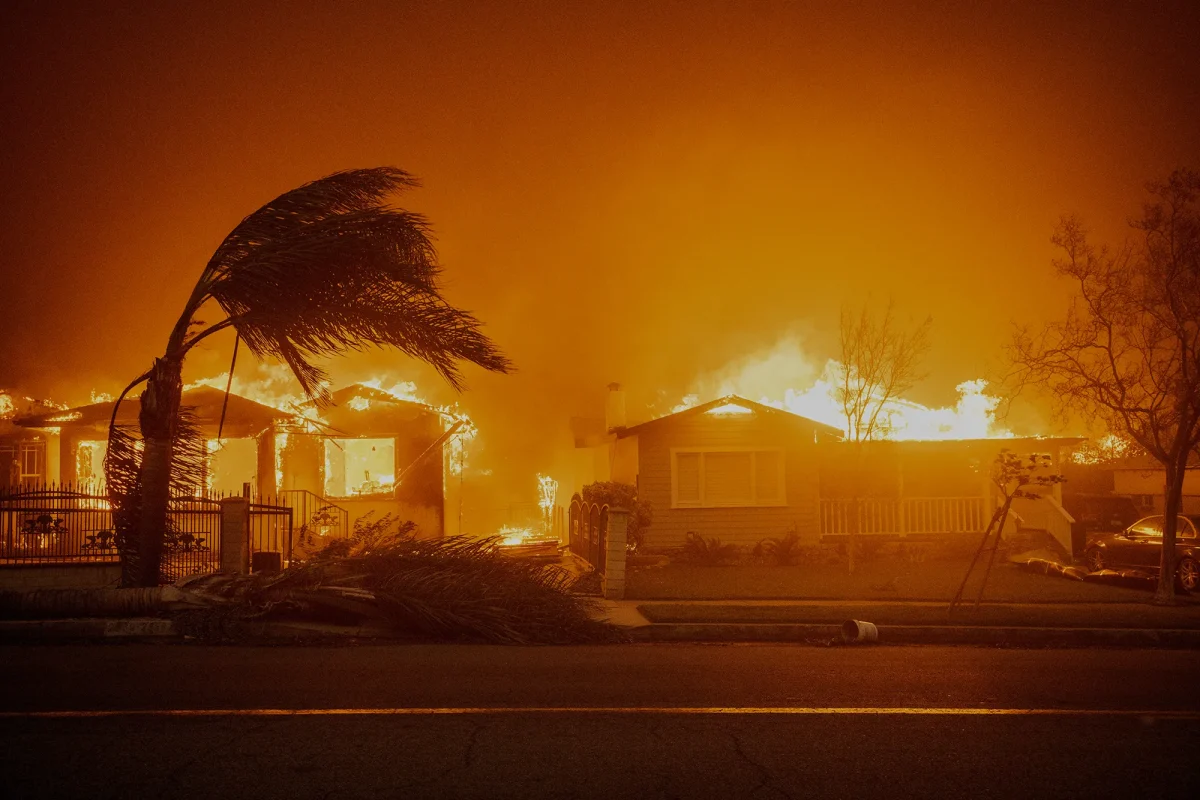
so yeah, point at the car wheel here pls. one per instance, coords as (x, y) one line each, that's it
(1094, 558)
(1188, 574)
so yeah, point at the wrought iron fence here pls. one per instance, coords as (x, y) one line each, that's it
(192, 544)
(61, 524)
(55, 524)
(271, 530)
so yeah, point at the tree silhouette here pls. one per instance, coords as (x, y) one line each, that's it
(1128, 351)
(880, 363)
(323, 269)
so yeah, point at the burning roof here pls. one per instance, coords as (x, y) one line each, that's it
(732, 405)
(243, 417)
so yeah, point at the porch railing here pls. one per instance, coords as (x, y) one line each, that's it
(905, 516)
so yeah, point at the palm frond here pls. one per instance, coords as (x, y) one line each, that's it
(328, 268)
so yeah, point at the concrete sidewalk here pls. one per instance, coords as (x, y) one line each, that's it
(814, 623)
(1042, 625)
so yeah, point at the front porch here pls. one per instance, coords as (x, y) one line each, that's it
(929, 518)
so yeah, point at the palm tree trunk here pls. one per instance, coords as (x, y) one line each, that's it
(159, 419)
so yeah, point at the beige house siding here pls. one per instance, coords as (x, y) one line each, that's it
(1148, 485)
(738, 525)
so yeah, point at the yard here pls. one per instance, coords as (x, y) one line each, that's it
(883, 579)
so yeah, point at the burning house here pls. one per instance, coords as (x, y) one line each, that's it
(743, 471)
(77, 439)
(369, 453)
(375, 453)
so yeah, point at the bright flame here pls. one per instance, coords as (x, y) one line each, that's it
(401, 390)
(785, 378)
(100, 397)
(547, 493)
(281, 440)
(729, 408)
(1104, 450)
(274, 386)
(511, 537)
(69, 416)
(7, 407)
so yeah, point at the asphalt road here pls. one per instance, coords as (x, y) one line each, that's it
(634, 721)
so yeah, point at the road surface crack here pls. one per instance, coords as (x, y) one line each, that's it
(171, 779)
(766, 780)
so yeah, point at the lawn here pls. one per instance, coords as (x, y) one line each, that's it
(883, 579)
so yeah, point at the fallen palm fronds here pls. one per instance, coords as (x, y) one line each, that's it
(448, 589)
(456, 589)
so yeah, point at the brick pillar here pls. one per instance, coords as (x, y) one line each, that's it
(614, 568)
(235, 535)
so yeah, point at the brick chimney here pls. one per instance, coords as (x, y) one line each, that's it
(614, 408)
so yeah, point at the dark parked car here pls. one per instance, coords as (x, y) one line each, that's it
(1140, 547)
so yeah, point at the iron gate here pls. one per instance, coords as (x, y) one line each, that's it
(589, 533)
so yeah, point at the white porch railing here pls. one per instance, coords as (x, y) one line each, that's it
(908, 515)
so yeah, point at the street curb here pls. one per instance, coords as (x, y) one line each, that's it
(137, 628)
(920, 634)
(96, 629)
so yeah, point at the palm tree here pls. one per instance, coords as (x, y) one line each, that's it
(320, 270)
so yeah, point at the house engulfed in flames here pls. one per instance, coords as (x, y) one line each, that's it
(743, 471)
(370, 452)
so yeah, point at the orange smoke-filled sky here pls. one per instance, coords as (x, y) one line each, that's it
(639, 192)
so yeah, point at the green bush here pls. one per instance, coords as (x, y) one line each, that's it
(710, 552)
(622, 495)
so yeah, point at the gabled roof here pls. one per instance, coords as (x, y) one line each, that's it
(344, 395)
(206, 402)
(721, 402)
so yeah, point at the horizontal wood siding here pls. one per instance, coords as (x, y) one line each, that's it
(742, 526)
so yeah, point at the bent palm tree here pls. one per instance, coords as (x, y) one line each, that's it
(320, 270)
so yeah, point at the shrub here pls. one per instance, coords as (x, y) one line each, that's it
(622, 495)
(784, 551)
(709, 552)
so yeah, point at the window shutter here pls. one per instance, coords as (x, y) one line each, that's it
(687, 479)
(728, 479)
(767, 476)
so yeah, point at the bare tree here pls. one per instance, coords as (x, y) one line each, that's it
(1128, 352)
(880, 363)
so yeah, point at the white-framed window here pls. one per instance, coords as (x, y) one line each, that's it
(727, 477)
(32, 457)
